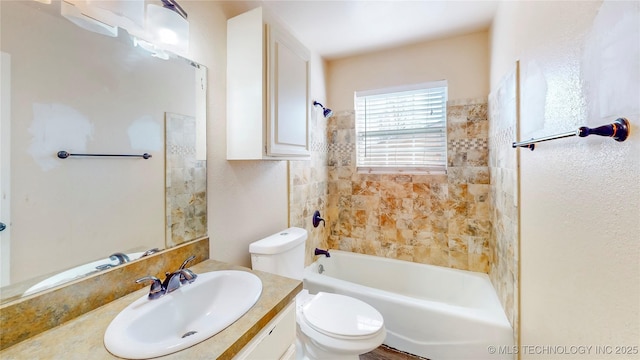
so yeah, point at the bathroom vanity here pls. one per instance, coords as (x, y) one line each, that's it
(268, 328)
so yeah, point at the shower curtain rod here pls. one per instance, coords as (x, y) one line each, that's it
(618, 130)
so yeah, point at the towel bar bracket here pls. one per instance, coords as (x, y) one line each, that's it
(618, 130)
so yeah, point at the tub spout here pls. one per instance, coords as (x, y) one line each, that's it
(322, 252)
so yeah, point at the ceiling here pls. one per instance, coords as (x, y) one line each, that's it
(337, 29)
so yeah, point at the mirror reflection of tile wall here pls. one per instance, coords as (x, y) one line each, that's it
(186, 182)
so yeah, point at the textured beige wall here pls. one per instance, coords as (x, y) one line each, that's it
(580, 198)
(247, 200)
(463, 61)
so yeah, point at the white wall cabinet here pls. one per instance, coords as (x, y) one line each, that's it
(268, 99)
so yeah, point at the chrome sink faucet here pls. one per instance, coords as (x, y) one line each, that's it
(149, 252)
(156, 290)
(172, 282)
(121, 257)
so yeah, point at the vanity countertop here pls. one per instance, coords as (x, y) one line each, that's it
(82, 337)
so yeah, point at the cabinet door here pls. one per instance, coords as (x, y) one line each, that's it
(275, 341)
(288, 105)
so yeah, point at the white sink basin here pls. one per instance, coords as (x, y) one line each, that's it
(193, 313)
(74, 273)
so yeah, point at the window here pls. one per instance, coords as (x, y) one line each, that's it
(402, 129)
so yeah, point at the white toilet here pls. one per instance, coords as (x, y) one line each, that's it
(329, 326)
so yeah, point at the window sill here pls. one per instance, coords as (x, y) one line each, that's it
(399, 171)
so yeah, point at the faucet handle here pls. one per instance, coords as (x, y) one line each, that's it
(187, 276)
(317, 219)
(190, 258)
(156, 290)
(172, 282)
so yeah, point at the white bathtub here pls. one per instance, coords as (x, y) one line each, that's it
(431, 311)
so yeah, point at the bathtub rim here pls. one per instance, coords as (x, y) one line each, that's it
(494, 315)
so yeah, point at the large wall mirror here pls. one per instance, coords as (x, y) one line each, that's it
(68, 89)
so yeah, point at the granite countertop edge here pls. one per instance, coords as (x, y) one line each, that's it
(82, 337)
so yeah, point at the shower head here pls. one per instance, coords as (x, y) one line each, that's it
(326, 111)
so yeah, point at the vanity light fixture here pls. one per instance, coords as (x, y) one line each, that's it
(167, 26)
(151, 48)
(105, 16)
(162, 29)
(85, 17)
(325, 111)
(125, 14)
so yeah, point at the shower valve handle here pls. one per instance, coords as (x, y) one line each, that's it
(317, 219)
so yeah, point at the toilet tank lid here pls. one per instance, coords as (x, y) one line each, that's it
(279, 242)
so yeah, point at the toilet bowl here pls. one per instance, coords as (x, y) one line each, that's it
(329, 326)
(333, 326)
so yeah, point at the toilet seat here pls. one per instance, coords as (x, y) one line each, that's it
(342, 317)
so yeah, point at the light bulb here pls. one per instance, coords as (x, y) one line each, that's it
(167, 36)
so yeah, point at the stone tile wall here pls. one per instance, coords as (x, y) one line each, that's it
(437, 219)
(308, 187)
(503, 196)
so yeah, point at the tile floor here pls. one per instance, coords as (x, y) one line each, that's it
(384, 352)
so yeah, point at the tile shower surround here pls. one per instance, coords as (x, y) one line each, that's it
(308, 187)
(436, 219)
(503, 197)
(461, 220)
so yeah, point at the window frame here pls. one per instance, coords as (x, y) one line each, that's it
(402, 169)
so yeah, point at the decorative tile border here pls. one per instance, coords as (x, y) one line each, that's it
(174, 149)
(342, 148)
(467, 144)
(321, 147)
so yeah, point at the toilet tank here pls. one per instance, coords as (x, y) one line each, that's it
(281, 253)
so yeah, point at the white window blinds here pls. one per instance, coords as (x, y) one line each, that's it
(402, 129)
